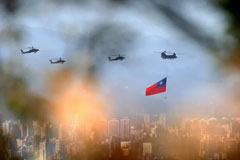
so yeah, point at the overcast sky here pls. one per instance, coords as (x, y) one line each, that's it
(192, 78)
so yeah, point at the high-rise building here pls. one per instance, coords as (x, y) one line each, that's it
(19, 143)
(146, 119)
(137, 121)
(49, 131)
(147, 148)
(15, 130)
(57, 146)
(24, 128)
(125, 147)
(42, 151)
(43, 131)
(50, 147)
(36, 141)
(154, 118)
(124, 128)
(30, 129)
(113, 128)
(36, 129)
(162, 120)
(5, 128)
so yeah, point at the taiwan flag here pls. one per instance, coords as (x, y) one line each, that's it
(158, 87)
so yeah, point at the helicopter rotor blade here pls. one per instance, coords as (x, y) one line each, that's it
(32, 47)
(180, 53)
(158, 52)
(55, 59)
(118, 55)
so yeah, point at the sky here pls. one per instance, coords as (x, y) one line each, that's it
(194, 79)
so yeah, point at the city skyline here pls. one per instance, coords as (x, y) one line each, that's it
(75, 80)
(143, 136)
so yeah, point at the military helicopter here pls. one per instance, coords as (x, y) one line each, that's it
(168, 55)
(31, 50)
(60, 60)
(119, 57)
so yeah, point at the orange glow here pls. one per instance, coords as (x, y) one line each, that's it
(78, 104)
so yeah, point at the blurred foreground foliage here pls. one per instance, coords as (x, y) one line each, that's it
(10, 6)
(231, 9)
(14, 90)
(17, 97)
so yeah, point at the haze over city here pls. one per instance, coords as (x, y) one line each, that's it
(72, 98)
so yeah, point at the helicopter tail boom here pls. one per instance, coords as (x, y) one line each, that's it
(22, 51)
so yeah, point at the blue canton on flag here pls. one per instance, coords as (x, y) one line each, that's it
(162, 82)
